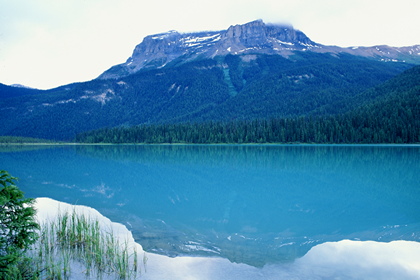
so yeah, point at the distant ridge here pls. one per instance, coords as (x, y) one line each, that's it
(20, 86)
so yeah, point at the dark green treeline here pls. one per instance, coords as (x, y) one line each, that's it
(326, 130)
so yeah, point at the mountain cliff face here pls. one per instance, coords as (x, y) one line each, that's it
(160, 50)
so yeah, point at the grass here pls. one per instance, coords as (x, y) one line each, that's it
(74, 244)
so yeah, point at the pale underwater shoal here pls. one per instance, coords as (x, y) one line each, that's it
(346, 259)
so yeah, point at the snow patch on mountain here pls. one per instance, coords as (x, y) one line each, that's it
(159, 50)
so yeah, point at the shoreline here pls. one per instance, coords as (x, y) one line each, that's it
(208, 144)
(343, 259)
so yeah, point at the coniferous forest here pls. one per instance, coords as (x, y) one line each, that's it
(395, 120)
(337, 130)
(316, 98)
(392, 115)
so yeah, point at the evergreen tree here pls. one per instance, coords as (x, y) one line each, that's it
(17, 230)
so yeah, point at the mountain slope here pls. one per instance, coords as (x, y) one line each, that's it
(394, 106)
(389, 113)
(260, 72)
(14, 91)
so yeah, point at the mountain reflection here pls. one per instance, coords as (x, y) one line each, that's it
(254, 204)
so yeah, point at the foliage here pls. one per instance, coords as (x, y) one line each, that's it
(17, 230)
(71, 238)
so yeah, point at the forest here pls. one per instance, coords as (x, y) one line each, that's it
(343, 130)
(226, 89)
(314, 98)
(388, 113)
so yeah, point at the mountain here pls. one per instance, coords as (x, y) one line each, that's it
(16, 90)
(388, 113)
(250, 71)
(256, 37)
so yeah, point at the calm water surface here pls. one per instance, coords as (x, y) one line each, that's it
(253, 204)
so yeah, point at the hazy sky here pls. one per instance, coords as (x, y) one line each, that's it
(47, 43)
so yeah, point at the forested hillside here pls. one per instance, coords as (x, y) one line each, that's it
(220, 90)
(389, 113)
(12, 91)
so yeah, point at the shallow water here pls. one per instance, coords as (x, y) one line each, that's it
(253, 204)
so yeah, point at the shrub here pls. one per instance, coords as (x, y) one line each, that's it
(18, 230)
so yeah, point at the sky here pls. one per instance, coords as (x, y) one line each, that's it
(48, 43)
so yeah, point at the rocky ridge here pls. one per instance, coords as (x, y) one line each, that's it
(257, 37)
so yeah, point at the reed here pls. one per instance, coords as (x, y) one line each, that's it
(76, 244)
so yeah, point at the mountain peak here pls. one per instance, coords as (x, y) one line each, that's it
(256, 37)
(268, 36)
(158, 50)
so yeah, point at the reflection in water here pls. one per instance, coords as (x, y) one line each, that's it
(255, 204)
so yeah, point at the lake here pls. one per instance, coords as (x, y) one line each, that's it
(251, 204)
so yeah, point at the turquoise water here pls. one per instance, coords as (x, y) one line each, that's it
(253, 204)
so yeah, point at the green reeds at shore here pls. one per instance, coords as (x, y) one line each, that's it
(74, 245)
